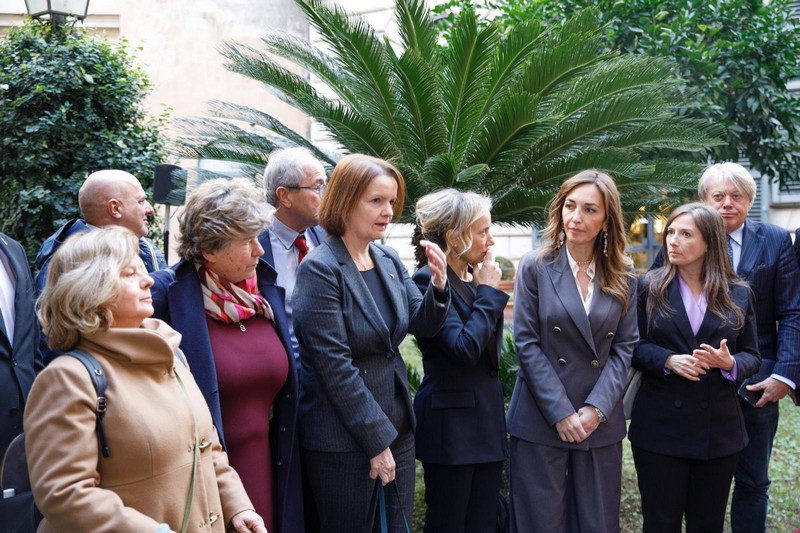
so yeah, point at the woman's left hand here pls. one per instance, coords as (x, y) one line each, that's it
(437, 263)
(715, 358)
(248, 522)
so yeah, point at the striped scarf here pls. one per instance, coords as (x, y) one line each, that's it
(232, 302)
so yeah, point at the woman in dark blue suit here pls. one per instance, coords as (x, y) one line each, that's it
(698, 341)
(353, 305)
(223, 299)
(461, 431)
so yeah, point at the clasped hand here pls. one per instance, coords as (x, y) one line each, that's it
(700, 361)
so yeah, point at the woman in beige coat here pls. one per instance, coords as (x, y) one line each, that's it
(97, 298)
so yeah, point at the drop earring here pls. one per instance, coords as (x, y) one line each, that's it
(605, 243)
(561, 237)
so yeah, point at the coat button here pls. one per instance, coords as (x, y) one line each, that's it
(204, 443)
(212, 517)
(557, 329)
(595, 363)
(678, 403)
(279, 463)
(562, 361)
(609, 334)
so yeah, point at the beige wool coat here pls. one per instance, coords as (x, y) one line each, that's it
(150, 430)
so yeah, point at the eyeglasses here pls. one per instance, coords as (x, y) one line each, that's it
(320, 189)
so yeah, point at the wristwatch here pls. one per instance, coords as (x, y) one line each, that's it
(600, 414)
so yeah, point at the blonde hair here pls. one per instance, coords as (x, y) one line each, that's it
(82, 285)
(612, 264)
(732, 173)
(450, 210)
(220, 211)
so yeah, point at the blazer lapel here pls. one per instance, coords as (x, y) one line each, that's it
(389, 277)
(460, 287)
(752, 248)
(567, 292)
(599, 311)
(679, 317)
(358, 287)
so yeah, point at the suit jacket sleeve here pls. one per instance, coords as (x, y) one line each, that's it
(787, 307)
(427, 307)
(607, 392)
(326, 348)
(464, 341)
(540, 377)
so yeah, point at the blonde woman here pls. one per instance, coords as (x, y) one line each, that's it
(461, 433)
(97, 298)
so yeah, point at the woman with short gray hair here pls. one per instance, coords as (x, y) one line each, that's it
(224, 300)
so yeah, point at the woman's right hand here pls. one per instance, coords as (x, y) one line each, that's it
(488, 272)
(686, 366)
(570, 429)
(383, 466)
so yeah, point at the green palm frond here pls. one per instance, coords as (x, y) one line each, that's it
(511, 115)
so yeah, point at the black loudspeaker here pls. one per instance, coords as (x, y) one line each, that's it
(169, 185)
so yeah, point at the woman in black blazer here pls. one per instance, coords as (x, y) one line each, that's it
(461, 431)
(353, 305)
(698, 341)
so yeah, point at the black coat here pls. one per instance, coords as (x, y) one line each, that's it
(681, 418)
(20, 363)
(459, 404)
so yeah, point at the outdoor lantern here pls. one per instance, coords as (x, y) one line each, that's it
(57, 10)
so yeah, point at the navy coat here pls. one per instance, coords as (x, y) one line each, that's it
(678, 417)
(20, 363)
(178, 300)
(459, 404)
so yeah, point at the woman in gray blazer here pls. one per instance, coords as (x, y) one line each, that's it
(354, 303)
(575, 330)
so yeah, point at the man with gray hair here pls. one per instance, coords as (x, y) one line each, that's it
(294, 182)
(107, 198)
(762, 256)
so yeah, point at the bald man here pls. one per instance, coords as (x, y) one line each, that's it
(107, 198)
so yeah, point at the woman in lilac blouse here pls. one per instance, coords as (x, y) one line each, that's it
(698, 342)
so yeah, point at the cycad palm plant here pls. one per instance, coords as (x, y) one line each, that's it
(506, 114)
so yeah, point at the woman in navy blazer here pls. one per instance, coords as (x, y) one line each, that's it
(353, 305)
(575, 330)
(461, 430)
(223, 299)
(698, 342)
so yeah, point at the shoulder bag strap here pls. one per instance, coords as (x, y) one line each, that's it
(99, 381)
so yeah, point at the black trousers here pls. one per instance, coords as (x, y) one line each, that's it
(672, 487)
(462, 498)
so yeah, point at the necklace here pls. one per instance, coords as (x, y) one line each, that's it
(360, 265)
(583, 265)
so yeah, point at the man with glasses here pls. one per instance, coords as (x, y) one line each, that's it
(294, 182)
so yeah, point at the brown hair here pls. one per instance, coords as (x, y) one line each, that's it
(717, 274)
(613, 266)
(349, 180)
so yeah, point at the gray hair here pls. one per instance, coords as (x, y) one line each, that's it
(220, 211)
(287, 168)
(732, 173)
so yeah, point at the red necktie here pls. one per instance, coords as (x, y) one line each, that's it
(302, 247)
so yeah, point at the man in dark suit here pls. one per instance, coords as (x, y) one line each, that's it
(20, 359)
(294, 182)
(762, 255)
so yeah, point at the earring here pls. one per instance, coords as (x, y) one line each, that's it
(561, 237)
(605, 243)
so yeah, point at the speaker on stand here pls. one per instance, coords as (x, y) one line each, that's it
(169, 188)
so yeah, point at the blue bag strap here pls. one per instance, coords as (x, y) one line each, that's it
(99, 381)
(382, 507)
